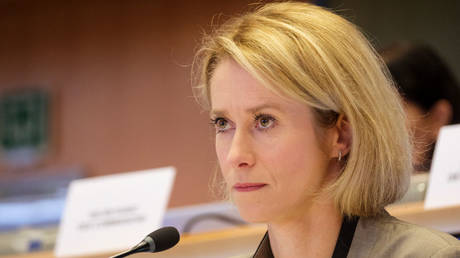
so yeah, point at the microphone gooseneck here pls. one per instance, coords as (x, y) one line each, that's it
(157, 241)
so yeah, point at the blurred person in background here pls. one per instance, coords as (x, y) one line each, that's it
(430, 91)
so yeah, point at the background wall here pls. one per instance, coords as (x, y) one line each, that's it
(119, 76)
(436, 23)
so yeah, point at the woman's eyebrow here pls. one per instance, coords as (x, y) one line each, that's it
(263, 106)
(217, 113)
(250, 110)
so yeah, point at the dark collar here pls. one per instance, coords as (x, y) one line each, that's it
(342, 246)
(264, 250)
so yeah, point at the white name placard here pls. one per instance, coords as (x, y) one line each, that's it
(112, 213)
(444, 186)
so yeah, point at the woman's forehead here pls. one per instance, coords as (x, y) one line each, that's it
(233, 89)
(233, 84)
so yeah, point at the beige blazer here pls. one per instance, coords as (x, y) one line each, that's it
(387, 237)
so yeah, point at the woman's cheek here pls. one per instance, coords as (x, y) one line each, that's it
(222, 146)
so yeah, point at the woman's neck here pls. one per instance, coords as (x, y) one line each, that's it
(310, 234)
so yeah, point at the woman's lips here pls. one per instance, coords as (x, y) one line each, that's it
(248, 187)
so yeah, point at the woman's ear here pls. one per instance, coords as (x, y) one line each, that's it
(342, 139)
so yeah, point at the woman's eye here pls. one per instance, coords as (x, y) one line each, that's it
(264, 121)
(220, 124)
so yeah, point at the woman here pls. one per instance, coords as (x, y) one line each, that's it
(310, 135)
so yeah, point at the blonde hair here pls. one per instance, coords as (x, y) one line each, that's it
(317, 57)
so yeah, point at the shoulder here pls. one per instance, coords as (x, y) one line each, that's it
(387, 236)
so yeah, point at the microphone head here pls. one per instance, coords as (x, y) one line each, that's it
(165, 238)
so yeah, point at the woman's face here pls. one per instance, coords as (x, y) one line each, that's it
(266, 146)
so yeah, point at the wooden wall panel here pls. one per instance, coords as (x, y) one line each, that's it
(119, 76)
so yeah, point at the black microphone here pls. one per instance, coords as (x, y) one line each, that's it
(157, 241)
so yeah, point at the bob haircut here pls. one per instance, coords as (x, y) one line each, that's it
(311, 55)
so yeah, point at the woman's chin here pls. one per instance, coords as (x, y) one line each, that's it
(252, 213)
(252, 217)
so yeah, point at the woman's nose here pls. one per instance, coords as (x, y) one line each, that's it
(241, 153)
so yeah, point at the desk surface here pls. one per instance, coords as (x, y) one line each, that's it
(245, 239)
(223, 243)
